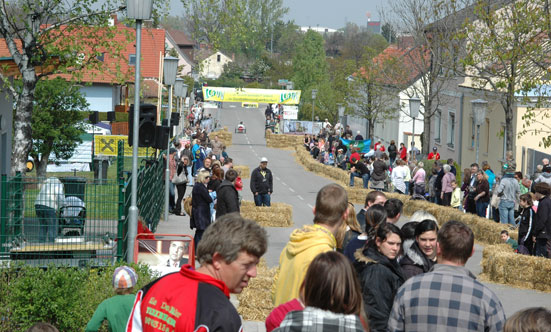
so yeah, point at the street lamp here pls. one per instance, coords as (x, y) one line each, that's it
(170, 69)
(138, 10)
(180, 91)
(480, 107)
(414, 105)
(314, 93)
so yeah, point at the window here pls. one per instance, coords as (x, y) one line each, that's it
(218, 58)
(132, 59)
(451, 129)
(473, 133)
(438, 126)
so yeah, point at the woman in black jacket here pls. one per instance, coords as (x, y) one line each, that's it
(542, 227)
(227, 199)
(527, 221)
(420, 254)
(181, 187)
(200, 206)
(380, 275)
(392, 152)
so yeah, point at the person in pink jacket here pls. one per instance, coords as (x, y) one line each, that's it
(419, 180)
(447, 188)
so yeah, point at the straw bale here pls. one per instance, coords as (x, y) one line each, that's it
(277, 215)
(255, 301)
(501, 264)
(224, 136)
(187, 205)
(282, 141)
(243, 170)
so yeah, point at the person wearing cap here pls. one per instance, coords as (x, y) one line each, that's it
(434, 155)
(116, 309)
(262, 185)
(508, 190)
(198, 299)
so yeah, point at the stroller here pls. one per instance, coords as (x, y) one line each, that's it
(72, 217)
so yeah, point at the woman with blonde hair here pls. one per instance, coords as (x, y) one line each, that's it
(482, 197)
(200, 205)
(349, 230)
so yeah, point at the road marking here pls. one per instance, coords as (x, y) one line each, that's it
(277, 178)
(250, 146)
(310, 206)
(292, 190)
(283, 183)
(300, 197)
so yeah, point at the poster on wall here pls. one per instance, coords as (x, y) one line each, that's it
(301, 127)
(290, 112)
(165, 253)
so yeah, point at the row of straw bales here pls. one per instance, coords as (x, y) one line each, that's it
(224, 136)
(243, 171)
(282, 141)
(501, 264)
(255, 301)
(276, 215)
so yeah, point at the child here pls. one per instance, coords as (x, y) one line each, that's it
(456, 196)
(527, 217)
(116, 309)
(505, 238)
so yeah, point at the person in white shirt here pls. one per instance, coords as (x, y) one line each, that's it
(398, 176)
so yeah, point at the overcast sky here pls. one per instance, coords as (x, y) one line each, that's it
(325, 13)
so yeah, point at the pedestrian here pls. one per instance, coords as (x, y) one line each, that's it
(198, 299)
(359, 136)
(398, 176)
(482, 197)
(420, 253)
(349, 230)
(527, 216)
(172, 165)
(508, 191)
(332, 298)
(505, 238)
(545, 175)
(200, 206)
(529, 320)
(419, 180)
(470, 203)
(447, 189)
(394, 208)
(307, 242)
(456, 196)
(379, 174)
(434, 155)
(181, 173)
(542, 227)
(392, 152)
(375, 215)
(48, 201)
(372, 198)
(217, 147)
(438, 300)
(403, 152)
(226, 195)
(116, 310)
(262, 185)
(359, 170)
(380, 274)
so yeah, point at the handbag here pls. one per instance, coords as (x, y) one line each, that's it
(180, 178)
(494, 202)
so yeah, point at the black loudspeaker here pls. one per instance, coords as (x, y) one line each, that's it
(175, 119)
(93, 117)
(148, 123)
(161, 137)
(111, 116)
(164, 123)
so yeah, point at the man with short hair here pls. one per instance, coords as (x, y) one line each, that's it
(262, 183)
(228, 164)
(471, 203)
(505, 238)
(217, 147)
(227, 199)
(307, 242)
(360, 170)
(393, 209)
(374, 197)
(198, 300)
(176, 252)
(448, 298)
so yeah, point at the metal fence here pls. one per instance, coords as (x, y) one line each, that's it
(73, 220)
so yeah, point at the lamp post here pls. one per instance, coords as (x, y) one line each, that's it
(178, 86)
(314, 93)
(170, 69)
(480, 107)
(414, 105)
(138, 10)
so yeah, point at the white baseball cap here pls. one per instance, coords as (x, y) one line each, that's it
(264, 160)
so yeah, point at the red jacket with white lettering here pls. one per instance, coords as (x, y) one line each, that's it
(184, 301)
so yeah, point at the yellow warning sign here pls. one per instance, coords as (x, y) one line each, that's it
(107, 145)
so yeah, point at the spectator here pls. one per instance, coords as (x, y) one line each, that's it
(419, 180)
(207, 165)
(200, 206)
(227, 199)
(438, 182)
(48, 201)
(491, 176)
(116, 310)
(420, 253)
(332, 296)
(414, 152)
(262, 184)
(505, 238)
(482, 197)
(545, 176)
(393, 209)
(470, 203)
(537, 172)
(398, 176)
(421, 215)
(542, 227)
(359, 136)
(392, 152)
(508, 190)
(340, 159)
(380, 274)
(372, 198)
(446, 194)
(527, 216)
(359, 170)
(181, 172)
(306, 243)
(379, 174)
(375, 215)
(437, 300)
(529, 320)
(456, 196)
(354, 154)
(521, 183)
(403, 152)
(432, 184)
(349, 230)
(195, 300)
(434, 155)
(228, 164)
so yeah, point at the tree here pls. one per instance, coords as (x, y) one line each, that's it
(371, 95)
(56, 102)
(355, 41)
(46, 37)
(388, 32)
(309, 63)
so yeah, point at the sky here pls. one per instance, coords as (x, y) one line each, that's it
(325, 13)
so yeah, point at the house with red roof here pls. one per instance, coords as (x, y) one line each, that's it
(178, 45)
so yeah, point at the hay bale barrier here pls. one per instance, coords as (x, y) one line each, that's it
(277, 215)
(243, 171)
(286, 142)
(500, 264)
(255, 301)
(224, 136)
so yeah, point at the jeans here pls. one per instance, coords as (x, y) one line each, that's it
(541, 247)
(407, 187)
(189, 177)
(262, 200)
(507, 212)
(48, 223)
(364, 177)
(481, 208)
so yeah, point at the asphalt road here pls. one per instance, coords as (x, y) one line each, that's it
(298, 187)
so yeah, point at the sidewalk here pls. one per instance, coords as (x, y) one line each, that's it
(180, 225)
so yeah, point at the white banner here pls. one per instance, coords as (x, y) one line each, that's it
(290, 112)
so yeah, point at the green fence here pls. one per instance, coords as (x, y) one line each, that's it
(74, 220)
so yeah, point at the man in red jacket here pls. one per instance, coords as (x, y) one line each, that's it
(198, 300)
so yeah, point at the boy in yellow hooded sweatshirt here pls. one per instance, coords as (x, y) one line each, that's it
(306, 243)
